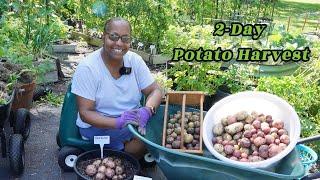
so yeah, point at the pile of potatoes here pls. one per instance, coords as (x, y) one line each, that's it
(191, 137)
(107, 168)
(250, 137)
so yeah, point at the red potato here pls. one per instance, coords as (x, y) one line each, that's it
(256, 124)
(231, 119)
(269, 139)
(228, 149)
(245, 142)
(91, 170)
(274, 150)
(99, 176)
(119, 170)
(273, 130)
(237, 136)
(269, 119)
(285, 139)
(253, 131)
(102, 169)
(264, 151)
(259, 141)
(237, 153)
(277, 141)
(278, 124)
(282, 146)
(265, 128)
(110, 173)
(244, 155)
(225, 142)
(233, 158)
(244, 160)
(260, 133)
(254, 148)
(97, 163)
(255, 158)
(233, 142)
(282, 132)
(197, 137)
(247, 134)
(176, 144)
(255, 153)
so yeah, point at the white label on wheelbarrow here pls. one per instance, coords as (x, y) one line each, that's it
(135, 177)
(101, 140)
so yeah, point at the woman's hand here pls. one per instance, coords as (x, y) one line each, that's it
(128, 117)
(144, 114)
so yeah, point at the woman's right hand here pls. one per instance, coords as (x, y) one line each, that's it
(128, 117)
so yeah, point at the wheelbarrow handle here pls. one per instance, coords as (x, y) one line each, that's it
(308, 139)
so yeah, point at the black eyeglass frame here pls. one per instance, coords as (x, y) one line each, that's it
(116, 37)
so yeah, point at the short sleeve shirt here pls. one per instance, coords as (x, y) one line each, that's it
(92, 80)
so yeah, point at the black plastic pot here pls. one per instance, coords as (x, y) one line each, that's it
(89, 155)
(222, 92)
(208, 102)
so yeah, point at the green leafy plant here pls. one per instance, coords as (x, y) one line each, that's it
(238, 77)
(194, 76)
(53, 99)
(164, 82)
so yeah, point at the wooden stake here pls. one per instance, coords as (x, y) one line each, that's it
(288, 23)
(305, 21)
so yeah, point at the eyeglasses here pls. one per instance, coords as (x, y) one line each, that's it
(115, 37)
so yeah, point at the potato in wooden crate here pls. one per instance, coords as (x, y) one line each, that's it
(183, 129)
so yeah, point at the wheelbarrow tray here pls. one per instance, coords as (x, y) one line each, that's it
(179, 165)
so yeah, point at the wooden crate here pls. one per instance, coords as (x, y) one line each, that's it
(184, 98)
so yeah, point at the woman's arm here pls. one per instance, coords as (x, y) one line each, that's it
(89, 115)
(153, 94)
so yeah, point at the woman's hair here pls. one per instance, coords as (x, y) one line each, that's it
(107, 25)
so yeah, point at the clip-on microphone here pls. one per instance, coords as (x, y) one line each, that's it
(124, 70)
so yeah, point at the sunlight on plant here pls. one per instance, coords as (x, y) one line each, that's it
(53, 99)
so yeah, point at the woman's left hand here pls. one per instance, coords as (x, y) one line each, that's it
(144, 114)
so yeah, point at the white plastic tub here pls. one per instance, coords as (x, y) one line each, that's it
(253, 101)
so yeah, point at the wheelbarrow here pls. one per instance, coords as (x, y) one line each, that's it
(179, 165)
(20, 122)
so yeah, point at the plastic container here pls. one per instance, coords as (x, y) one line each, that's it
(308, 156)
(107, 152)
(253, 101)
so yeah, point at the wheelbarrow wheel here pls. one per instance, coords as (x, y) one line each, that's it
(67, 156)
(22, 123)
(16, 154)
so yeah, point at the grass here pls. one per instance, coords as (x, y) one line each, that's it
(299, 11)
